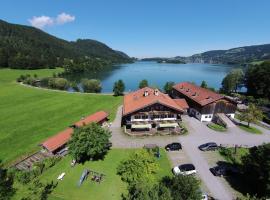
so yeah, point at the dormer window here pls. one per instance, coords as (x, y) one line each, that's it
(146, 93)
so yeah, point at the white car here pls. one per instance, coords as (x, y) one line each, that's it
(186, 169)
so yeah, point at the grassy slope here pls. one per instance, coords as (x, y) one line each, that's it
(29, 115)
(110, 188)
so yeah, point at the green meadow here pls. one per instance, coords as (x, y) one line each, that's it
(30, 115)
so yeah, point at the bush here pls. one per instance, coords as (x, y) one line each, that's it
(23, 177)
(58, 83)
(50, 162)
(91, 86)
(29, 81)
(44, 82)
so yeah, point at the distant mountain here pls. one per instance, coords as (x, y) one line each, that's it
(239, 55)
(30, 48)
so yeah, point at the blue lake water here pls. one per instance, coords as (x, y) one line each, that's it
(158, 74)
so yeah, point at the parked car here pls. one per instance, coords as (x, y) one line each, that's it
(175, 146)
(223, 170)
(210, 146)
(185, 169)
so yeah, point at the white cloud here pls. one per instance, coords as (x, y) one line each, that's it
(43, 21)
(64, 18)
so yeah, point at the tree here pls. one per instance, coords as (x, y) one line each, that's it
(89, 142)
(143, 191)
(251, 114)
(184, 187)
(140, 166)
(143, 83)
(58, 83)
(168, 87)
(91, 86)
(232, 81)
(257, 80)
(118, 88)
(6, 184)
(256, 168)
(204, 84)
(39, 191)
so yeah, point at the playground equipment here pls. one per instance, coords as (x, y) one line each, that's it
(83, 176)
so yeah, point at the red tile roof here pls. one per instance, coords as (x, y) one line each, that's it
(198, 94)
(57, 141)
(96, 117)
(136, 100)
(182, 103)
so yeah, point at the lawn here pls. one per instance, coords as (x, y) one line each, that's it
(30, 115)
(110, 188)
(250, 129)
(216, 127)
(232, 156)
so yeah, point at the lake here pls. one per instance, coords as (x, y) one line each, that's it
(158, 74)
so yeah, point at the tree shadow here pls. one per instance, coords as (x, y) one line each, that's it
(235, 177)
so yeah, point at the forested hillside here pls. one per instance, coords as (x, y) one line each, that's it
(240, 55)
(26, 47)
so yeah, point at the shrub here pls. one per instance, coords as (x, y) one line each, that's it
(58, 83)
(91, 86)
(44, 82)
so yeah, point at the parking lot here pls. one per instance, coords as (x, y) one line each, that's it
(198, 134)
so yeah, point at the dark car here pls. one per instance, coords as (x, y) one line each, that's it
(176, 146)
(210, 146)
(223, 170)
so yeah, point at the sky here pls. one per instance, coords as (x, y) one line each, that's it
(148, 28)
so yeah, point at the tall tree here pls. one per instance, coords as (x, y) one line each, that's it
(6, 184)
(184, 187)
(143, 83)
(89, 142)
(168, 87)
(232, 81)
(204, 84)
(257, 80)
(119, 88)
(251, 114)
(256, 168)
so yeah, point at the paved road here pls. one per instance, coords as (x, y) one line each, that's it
(198, 134)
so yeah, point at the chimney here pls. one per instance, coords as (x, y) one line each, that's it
(145, 93)
(156, 92)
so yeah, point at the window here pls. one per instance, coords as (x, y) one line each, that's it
(144, 117)
(137, 117)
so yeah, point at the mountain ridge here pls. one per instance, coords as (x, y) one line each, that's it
(26, 47)
(237, 55)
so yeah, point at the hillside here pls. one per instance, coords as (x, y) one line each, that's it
(27, 47)
(238, 55)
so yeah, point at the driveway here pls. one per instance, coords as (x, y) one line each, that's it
(199, 133)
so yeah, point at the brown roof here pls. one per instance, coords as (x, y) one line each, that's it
(182, 103)
(136, 100)
(57, 141)
(198, 94)
(96, 117)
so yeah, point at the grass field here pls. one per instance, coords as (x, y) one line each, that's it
(110, 188)
(30, 115)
